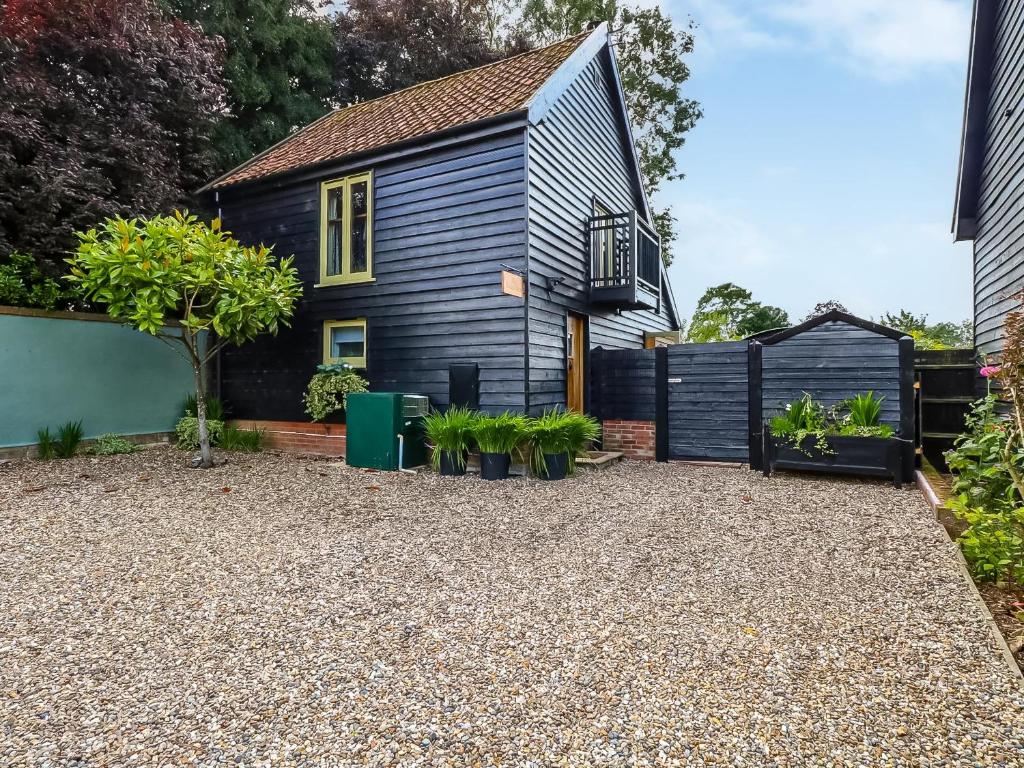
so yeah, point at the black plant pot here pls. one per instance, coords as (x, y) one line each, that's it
(494, 466)
(451, 464)
(556, 466)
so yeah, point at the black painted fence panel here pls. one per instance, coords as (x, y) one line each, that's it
(623, 384)
(833, 362)
(707, 401)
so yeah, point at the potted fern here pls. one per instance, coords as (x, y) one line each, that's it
(556, 439)
(449, 434)
(497, 437)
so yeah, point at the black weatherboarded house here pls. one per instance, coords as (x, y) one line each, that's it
(989, 210)
(494, 217)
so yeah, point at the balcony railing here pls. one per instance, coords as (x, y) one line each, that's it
(625, 261)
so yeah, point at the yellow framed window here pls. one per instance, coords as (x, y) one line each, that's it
(346, 230)
(345, 342)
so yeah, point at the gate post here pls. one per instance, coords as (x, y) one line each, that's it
(661, 403)
(754, 416)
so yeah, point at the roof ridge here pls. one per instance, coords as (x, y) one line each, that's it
(461, 72)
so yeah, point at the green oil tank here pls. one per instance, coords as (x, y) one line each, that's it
(374, 421)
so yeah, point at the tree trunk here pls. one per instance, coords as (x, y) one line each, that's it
(204, 436)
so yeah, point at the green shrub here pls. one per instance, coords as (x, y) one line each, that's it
(500, 434)
(243, 440)
(984, 495)
(22, 284)
(214, 407)
(187, 431)
(111, 445)
(328, 390)
(46, 447)
(450, 431)
(560, 432)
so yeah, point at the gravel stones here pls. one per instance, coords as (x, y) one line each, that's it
(285, 611)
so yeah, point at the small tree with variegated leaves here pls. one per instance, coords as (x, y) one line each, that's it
(182, 280)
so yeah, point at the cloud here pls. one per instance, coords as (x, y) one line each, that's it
(885, 38)
(723, 28)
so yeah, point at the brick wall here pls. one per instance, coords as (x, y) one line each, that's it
(634, 438)
(300, 437)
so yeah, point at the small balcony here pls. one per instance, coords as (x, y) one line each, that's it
(625, 262)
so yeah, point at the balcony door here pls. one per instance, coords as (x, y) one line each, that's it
(604, 259)
(575, 334)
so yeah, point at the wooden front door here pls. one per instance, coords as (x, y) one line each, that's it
(574, 340)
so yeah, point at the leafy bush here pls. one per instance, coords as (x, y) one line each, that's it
(329, 383)
(187, 431)
(450, 431)
(111, 444)
(985, 496)
(22, 284)
(242, 440)
(560, 432)
(500, 434)
(46, 447)
(214, 407)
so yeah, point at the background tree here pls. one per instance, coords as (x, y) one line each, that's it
(719, 313)
(761, 317)
(277, 65)
(728, 311)
(823, 307)
(386, 45)
(651, 52)
(931, 336)
(108, 108)
(149, 273)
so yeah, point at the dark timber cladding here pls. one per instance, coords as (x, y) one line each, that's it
(832, 361)
(991, 185)
(444, 220)
(578, 156)
(623, 384)
(707, 401)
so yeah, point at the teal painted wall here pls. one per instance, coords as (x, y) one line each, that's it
(115, 379)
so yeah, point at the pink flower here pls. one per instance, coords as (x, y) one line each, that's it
(989, 370)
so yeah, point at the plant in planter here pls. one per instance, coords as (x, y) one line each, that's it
(329, 388)
(556, 439)
(450, 434)
(497, 437)
(848, 438)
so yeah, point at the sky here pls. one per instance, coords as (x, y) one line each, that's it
(825, 164)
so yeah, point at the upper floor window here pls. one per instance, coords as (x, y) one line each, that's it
(346, 230)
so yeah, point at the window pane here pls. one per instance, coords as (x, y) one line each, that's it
(359, 244)
(334, 204)
(334, 248)
(347, 341)
(360, 220)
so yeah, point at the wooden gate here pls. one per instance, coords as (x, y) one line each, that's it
(707, 401)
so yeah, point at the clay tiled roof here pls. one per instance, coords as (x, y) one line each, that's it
(465, 97)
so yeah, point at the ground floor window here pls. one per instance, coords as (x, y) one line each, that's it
(345, 342)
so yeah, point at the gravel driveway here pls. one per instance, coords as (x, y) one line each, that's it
(281, 611)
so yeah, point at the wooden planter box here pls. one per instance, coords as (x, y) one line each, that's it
(870, 456)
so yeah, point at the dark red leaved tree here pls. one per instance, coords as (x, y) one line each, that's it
(108, 109)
